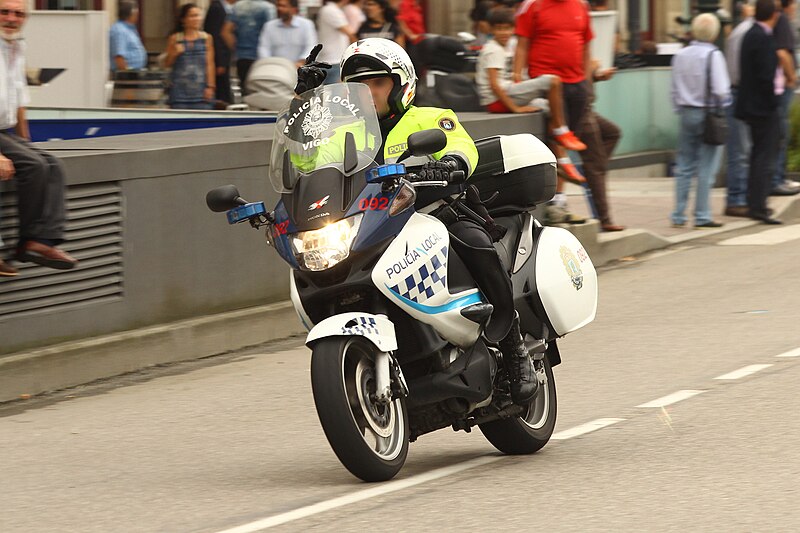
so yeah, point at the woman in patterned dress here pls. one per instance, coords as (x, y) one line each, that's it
(190, 53)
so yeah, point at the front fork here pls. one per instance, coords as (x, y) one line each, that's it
(389, 379)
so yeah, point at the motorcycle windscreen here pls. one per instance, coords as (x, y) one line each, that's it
(331, 127)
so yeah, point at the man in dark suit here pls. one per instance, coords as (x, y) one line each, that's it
(758, 106)
(220, 27)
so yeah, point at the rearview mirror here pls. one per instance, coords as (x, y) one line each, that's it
(224, 198)
(425, 142)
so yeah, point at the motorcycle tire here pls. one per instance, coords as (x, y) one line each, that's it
(528, 433)
(370, 439)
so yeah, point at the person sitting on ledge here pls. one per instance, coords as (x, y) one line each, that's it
(38, 175)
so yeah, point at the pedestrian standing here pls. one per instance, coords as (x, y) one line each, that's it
(553, 37)
(500, 95)
(699, 81)
(738, 143)
(190, 53)
(758, 105)
(125, 45)
(355, 14)
(289, 36)
(249, 17)
(601, 137)
(219, 26)
(785, 42)
(381, 22)
(333, 30)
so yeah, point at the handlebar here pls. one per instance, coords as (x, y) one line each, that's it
(456, 177)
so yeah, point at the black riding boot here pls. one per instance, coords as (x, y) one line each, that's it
(519, 366)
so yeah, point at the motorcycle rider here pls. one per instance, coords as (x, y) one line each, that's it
(386, 68)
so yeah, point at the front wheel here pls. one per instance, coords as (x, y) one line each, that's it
(530, 432)
(369, 438)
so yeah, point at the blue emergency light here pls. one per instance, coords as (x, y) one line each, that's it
(246, 212)
(385, 172)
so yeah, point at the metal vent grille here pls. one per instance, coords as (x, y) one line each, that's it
(93, 236)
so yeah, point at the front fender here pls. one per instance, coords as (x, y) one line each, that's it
(377, 329)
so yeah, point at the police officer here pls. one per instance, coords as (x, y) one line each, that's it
(386, 68)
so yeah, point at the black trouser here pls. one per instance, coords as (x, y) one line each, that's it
(576, 104)
(223, 92)
(39, 177)
(242, 68)
(765, 133)
(474, 246)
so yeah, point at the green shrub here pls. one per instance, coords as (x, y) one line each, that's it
(793, 151)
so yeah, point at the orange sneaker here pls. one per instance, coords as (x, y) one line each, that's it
(569, 172)
(570, 142)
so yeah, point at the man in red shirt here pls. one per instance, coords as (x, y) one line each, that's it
(553, 38)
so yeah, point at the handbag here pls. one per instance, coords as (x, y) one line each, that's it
(715, 125)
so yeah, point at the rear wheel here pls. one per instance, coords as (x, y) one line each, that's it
(368, 437)
(530, 432)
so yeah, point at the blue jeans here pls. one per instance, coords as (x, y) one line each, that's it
(780, 168)
(738, 147)
(694, 159)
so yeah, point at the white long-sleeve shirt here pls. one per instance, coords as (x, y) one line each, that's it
(689, 76)
(292, 41)
(13, 82)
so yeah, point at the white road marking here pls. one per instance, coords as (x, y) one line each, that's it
(790, 353)
(400, 484)
(742, 372)
(675, 397)
(766, 238)
(347, 499)
(588, 427)
(92, 131)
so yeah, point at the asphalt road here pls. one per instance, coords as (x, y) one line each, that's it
(232, 443)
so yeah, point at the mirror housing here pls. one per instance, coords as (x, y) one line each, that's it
(224, 198)
(425, 142)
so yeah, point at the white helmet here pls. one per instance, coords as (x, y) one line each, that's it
(380, 57)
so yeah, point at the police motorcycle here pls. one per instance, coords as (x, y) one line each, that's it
(395, 320)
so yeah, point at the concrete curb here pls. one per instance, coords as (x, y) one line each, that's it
(76, 363)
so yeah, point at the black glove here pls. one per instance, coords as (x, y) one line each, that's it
(438, 170)
(312, 74)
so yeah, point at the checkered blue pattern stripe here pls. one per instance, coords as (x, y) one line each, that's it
(363, 325)
(425, 282)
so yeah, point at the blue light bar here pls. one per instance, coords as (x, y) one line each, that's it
(246, 212)
(385, 172)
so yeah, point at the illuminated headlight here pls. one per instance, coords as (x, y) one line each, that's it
(323, 248)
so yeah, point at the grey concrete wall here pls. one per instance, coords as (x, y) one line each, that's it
(179, 260)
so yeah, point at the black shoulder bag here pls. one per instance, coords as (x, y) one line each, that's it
(715, 126)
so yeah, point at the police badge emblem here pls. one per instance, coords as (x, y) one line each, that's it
(317, 121)
(447, 124)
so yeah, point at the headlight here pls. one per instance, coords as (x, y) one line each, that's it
(323, 248)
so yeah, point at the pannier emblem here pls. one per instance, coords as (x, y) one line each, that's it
(573, 267)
